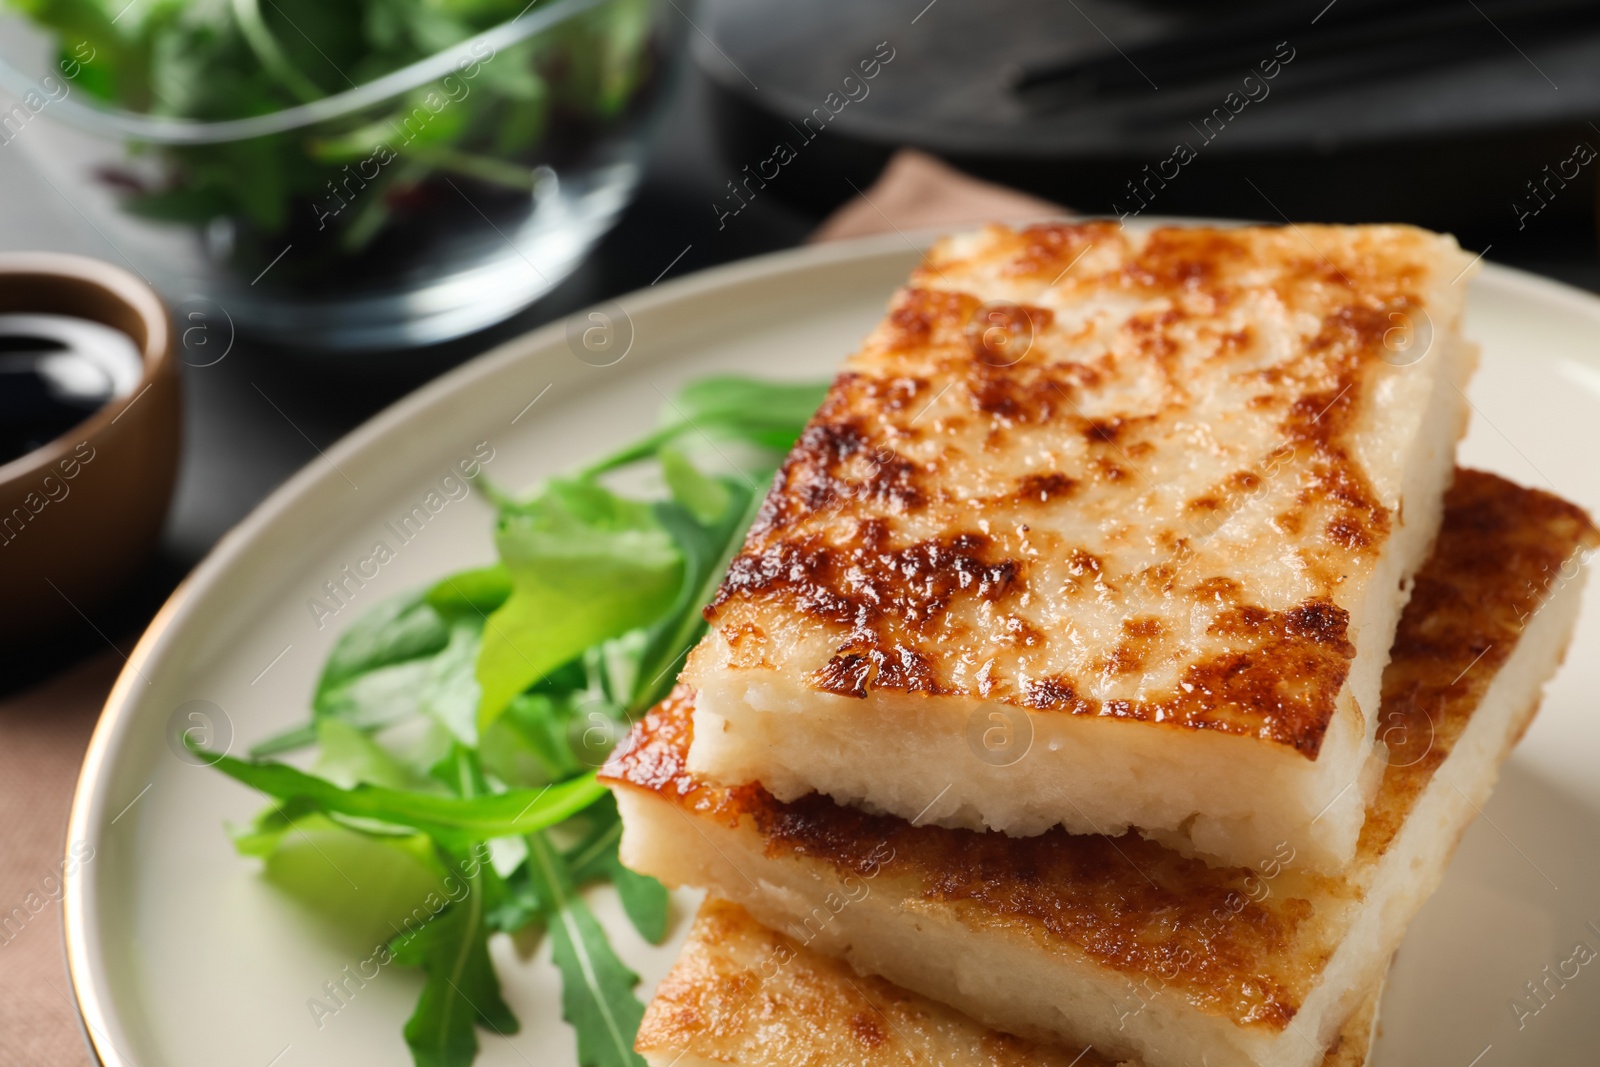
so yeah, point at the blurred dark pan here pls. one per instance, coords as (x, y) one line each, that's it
(1436, 112)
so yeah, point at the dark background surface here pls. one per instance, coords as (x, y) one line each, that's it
(238, 446)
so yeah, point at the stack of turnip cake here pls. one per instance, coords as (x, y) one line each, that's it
(1112, 670)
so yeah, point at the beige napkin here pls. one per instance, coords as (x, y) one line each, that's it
(918, 192)
(43, 732)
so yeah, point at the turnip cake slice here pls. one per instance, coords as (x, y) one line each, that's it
(1119, 942)
(1107, 530)
(742, 994)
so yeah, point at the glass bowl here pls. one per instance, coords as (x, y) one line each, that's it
(411, 207)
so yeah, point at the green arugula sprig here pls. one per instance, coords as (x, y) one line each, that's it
(457, 729)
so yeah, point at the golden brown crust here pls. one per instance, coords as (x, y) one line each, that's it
(1504, 553)
(1238, 942)
(1104, 367)
(742, 994)
(1232, 939)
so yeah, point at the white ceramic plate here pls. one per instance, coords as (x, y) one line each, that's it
(181, 954)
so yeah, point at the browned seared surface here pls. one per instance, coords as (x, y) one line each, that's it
(740, 993)
(995, 483)
(1247, 944)
(1501, 550)
(1125, 902)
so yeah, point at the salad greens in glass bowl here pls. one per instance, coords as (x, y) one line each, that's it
(360, 174)
(457, 729)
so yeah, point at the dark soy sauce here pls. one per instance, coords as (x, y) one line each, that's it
(56, 371)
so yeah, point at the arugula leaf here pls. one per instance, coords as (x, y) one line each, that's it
(451, 692)
(473, 592)
(395, 630)
(462, 989)
(644, 899)
(707, 552)
(378, 698)
(346, 756)
(596, 987)
(293, 738)
(571, 675)
(520, 910)
(442, 685)
(362, 885)
(613, 666)
(586, 565)
(400, 660)
(453, 949)
(771, 415)
(527, 744)
(586, 861)
(706, 498)
(449, 819)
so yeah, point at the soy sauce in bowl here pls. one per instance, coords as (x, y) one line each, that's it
(56, 371)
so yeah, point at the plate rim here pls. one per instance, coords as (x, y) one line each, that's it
(97, 1017)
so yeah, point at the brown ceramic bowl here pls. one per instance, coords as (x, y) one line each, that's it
(79, 515)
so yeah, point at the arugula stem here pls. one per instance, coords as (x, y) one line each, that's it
(466, 782)
(458, 964)
(448, 819)
(466, 785)
(288, 741)
(539, 852)
(642, 449)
